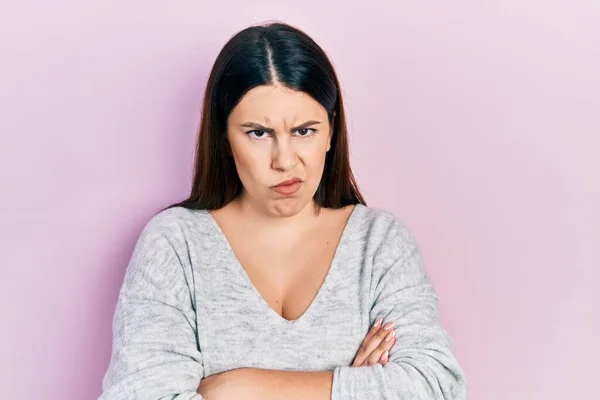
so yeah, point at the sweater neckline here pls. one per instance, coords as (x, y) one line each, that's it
(333, 267)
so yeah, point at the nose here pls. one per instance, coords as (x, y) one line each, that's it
(284, 154)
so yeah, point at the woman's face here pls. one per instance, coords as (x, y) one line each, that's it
(277, 134)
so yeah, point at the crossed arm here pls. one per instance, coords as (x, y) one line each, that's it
(271, 384)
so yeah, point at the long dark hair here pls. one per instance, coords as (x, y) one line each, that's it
(262, 55)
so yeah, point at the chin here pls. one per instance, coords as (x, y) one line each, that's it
(288, 207)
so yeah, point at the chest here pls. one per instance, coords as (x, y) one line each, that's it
(288, 280)
(285, 268)
(238, 327)
(296, 305)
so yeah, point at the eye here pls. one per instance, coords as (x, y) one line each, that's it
(304, 132)
(257, 134)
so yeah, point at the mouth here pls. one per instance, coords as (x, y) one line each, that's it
(288, 182)
(288, 187)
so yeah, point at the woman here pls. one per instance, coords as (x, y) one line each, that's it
(274, 280)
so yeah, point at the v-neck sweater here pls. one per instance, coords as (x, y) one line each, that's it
(187, 309)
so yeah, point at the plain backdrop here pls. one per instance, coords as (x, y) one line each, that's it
(477, 123)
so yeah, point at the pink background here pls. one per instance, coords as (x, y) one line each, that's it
(479, 125)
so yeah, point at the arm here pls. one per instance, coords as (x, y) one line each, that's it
(267, 384)
(421, 365)
(155, 353)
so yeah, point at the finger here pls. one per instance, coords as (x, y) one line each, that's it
(369, 346)
(387, 358)
(382, 350)
(374, 329)
(362, 351)
(381, 353)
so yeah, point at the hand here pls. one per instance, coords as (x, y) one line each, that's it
(232, 384)
(376, 346)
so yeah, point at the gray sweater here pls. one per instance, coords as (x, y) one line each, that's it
(187, 310)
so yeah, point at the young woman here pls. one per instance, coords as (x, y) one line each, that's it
(274, 280)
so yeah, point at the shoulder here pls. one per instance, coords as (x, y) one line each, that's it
(169, 231)
(160, 255)
(385, 230)
(173, 221)
(390, 248)
(385, 239)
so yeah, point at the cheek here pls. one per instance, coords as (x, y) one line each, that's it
(314, 159)
(249, 164)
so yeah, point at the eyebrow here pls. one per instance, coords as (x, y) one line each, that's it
(256, 125)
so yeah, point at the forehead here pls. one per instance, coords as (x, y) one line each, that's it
(274, 102)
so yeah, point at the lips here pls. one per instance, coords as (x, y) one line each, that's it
(288, 182)
(288, 187)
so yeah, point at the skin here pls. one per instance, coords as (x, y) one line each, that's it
(282, 146)
(376, 346)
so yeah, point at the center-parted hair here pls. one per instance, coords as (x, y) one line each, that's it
(263, 55)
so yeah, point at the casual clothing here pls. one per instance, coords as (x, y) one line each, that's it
(187, 309)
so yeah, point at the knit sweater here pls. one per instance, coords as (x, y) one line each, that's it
(187, 310)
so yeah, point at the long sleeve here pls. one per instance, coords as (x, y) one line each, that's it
(155, 354)
(421, 364)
